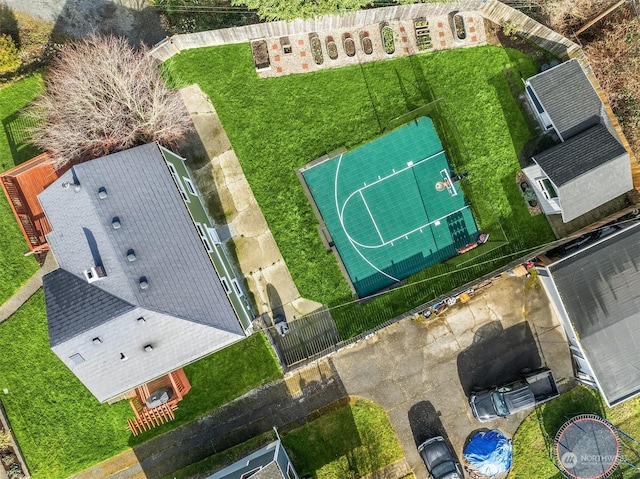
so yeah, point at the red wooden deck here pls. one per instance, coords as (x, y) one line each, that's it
(22, 184)
(147, 418)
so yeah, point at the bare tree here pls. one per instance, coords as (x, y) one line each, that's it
(103, 96)
(614, 55)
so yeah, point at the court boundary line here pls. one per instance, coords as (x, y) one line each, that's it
(449, 184)
(375, 225)
(340, 211)
(386, 243)
(366, 260)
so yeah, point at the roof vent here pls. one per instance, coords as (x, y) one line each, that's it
(123, 357)
(131, 255)
(144, 284)
(94, 274)
(141, 320)
(148, 348)
(115, 222)
(97, 340)
(66, 184)
(102, 193)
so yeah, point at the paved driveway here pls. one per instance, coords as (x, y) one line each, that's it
(421, 371)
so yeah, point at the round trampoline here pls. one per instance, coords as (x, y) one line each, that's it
(587, 447)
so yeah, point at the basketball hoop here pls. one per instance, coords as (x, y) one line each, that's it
(440, 186)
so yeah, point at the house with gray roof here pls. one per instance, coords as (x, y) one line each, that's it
(143, 287)
(595, 292)
(269, 462)
(588, 166)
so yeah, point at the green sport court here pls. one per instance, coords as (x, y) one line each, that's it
(390, 206)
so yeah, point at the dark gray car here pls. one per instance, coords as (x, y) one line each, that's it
(439, 460)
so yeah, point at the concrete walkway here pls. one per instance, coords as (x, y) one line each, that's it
(29, 289)
(221, 181)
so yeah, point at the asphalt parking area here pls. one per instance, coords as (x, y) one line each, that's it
(421, 371)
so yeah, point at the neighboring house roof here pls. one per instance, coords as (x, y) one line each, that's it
(580, 155)
(184, 294)
(271, 461)
(587, 170)
(600, 291)
(568, 97)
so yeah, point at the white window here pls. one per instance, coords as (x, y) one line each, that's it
(179, 184)
(225, 285)
(547, 188)
(190, 186)
(213, 234)
(204, 237)
(236, 286)
(290, 473)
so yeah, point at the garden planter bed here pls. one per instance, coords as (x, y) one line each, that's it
(457, 25)
(423, 34)
(11, 460)
(260, 52)
(316, 48)
(349, 45)
(387, 39)
(367, 44)
(332, 48)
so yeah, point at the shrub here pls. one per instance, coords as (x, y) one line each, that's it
(6, 441)
(9, 59)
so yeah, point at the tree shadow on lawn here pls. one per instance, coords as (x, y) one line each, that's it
(497, 356)
(507, 89)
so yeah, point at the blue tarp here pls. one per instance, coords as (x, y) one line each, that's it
(489, 452)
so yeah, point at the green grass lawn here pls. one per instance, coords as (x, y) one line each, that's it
(62, 428)
(15, 269)
(353, 440)
(530, 448)
(277, 125)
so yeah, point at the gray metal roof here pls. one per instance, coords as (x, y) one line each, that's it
(75, 306)
(580, 155)
(568, 97)
(263, 458)
(587, 170)
(156, 224)
(174, 341)
(600, 290)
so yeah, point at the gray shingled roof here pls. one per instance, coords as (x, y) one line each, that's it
(568, 97)
(264, 457)
(157, 226)
(600, 290)
(75, 306)
(579, 155)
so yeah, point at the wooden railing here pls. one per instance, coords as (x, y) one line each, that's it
(147, 418)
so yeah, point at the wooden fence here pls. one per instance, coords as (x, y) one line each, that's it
(325, 23)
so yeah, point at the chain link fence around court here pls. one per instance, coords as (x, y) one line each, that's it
(330, 329)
